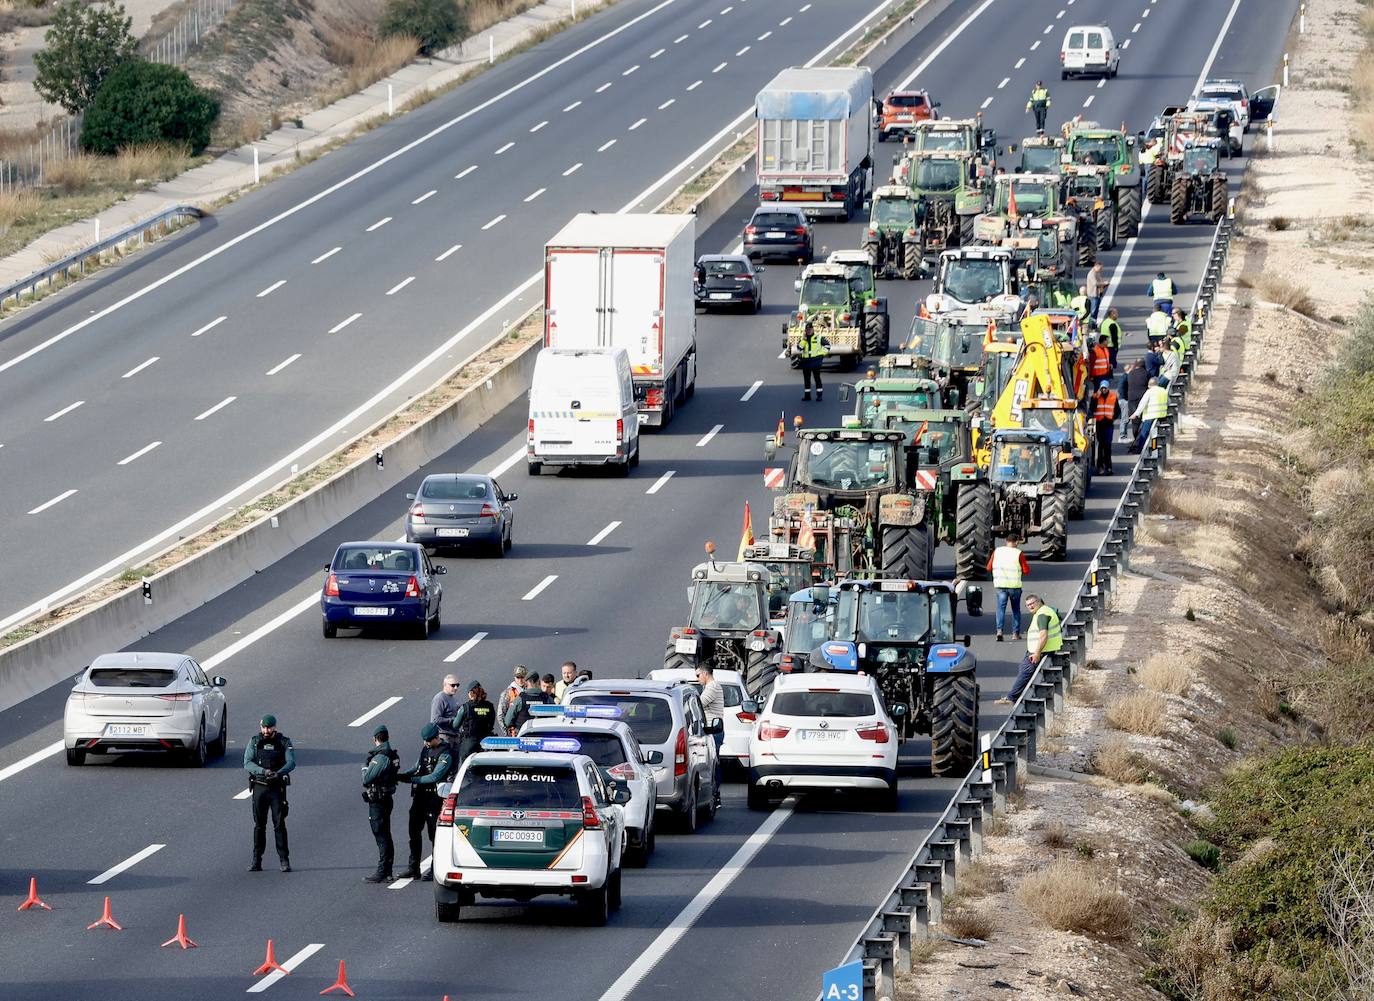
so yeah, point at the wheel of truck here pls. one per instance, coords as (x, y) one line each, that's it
(1054, 528)
(1155, 186)
(966, 230)
(1219, 197)
(1105, 234)
(1078, 487)
(760, 672)
(1178, 202)
(1128, 213)
(905, 552)
(953, 724)
(873, 334)
(1087, 242)
(973, 530)
(911, 261)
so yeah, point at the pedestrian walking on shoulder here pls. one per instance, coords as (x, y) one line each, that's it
(518, 712)
(1039, 105)
(1106, 410)
(434, 765)
(1095, 285)
(1133, 386)
(512, 690)
(1152, 406)
(567, 675)
(713, 707)
(1008, 566)
(380, 769)
(476, 721)
(1112, 334)
(269, 760)
(1043, 637)
(811, 350)
(444, 708)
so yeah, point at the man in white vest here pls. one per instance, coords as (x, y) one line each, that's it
(1008, 566)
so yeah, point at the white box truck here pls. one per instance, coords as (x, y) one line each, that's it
(626, 281)
(582, 410)
(815, 138)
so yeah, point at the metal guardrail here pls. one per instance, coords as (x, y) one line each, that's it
(160, 224)
(914, 903)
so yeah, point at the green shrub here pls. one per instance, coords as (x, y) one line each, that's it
(1227, 737)
(1356, 355)
(84, 46)
(142, 103)
(436, 24)
(1204, 853)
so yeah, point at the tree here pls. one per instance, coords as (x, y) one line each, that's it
(144, 102)
(433, 23)
(83, 46)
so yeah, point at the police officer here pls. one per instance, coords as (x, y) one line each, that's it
(434, 765)
(812, 348)
(1039, 103)
(379, 792)
(476, 719)
(519, 712)
(269, 759)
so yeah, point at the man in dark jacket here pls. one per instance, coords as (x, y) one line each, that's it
(518, 714)
(476, 719)
(268, 759)
(433, 766)
(379, 792)
(1134, 382)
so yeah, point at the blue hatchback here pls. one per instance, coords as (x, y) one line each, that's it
(381, 584)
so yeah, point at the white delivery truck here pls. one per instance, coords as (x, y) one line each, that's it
(582, 410)
(815, 138)
(626, 281)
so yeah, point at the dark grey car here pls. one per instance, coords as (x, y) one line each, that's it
(458, 510)
(728, 280)
(781, 231)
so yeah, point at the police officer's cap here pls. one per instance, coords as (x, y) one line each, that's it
(269, 720)
(475, 686)
(429, 731)
(381, 732)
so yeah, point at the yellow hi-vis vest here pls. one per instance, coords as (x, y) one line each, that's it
(1157, 324)
(1006, 567)
(1156, 403)
(811, 347)
(1162, 288)
(1054, 639)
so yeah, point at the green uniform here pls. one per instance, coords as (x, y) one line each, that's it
(269, 759)
(475, 720)
(379, 791)
(432, 767)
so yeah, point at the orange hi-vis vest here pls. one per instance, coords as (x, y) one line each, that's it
(1101, 362)
(1104, 406)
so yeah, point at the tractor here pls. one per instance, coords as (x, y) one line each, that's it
(835, 307)
(810, 617)
(893, 238)
(1091, 189)
(1027, 496)
(974, 276)
(728, 626)
(957, 338)
(1040, 155)
(948, 166)
(1021, 199)
(1181, 130)
(790, 568)
(1199, 186)
(863, 281)
(1120, 154)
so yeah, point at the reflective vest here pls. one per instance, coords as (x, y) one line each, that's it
(1006, 567)
(1079, 304)
(1101, 361)
(1050, 629)
(810, 346)
(1039, 96)
(1156, 403)
(1162, 288)
(1104, 407)
(1185, 331)
(1157, 324)
(1112, 331)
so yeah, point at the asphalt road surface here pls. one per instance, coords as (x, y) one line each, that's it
(749, 907)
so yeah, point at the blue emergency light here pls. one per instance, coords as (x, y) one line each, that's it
(556, 745)
(578, 712)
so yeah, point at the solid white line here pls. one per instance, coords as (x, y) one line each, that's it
(494, 222)
(63, 412)
(379, 224)
(749, 393)
(139, 368)
(694, 86)
(503, 149)
(742, 51)
(282, 364)
(703, 24)
(637, 124)
(509, 461)
(376, 710)
(658, 483)
(464, 172)
(763, 36)
(605, 146)
(575, 104)
(667, 104)
(534, 194)
(449, 253)
(401, 884)
(128, 863)
(600, 536)
(311, 600)
(630, 70)
(655, 55)
(425, 197)
(217, 407)
(720, 67)
(680, 39)
(290, 967)
(573, 169)
(536, 128)
(1120, 270)
(343, 323)
(56, 500)
(706, 896)
(468, 644)
(270, 289)
(604, 86)
(921, 67)
(1089, 100)
(706, 438)
(326, 255)
(984, 105)
(1216, 46)
(533, 592)
(141, 452)
(210, 326)
(1019, 63)
(784, 22)
(398, 286)
(9, 771)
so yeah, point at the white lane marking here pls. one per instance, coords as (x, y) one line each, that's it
(1060, 14)
(1145, 12)
(921, 67)
(209, 326)
(763, 36)
(464, 172)
(244, 794)
(139, 368)
(449, 253)
(508, 461)
(425, 197)
(600, 536)
(1089, 100)
(1216, 46)
(703, 24)
(494, 222)
(630, 70)
(534, 194)
(141, 452)
(1136, 28)
(468, 644)
(658, 483)
(270, 289)
(804, 9)
(742, 51)
(128, 863)
(536, 128)
(401, 884)
(573, 169)
(1048, 29)
(694, 86)
(290, 967)
(1126, 43)
(706, 438)
(403, 283)
(326, 255)
(667, 104)
(604, 86)
(1019, 63)
(1035, 45)
(697, 906)
(680, 39)
(1005, 80)
(784, 22)
(637, 124)
(1102, 83)
(311, 600)
(502, 149)
(749, 393)
(378, 224)
(1120, 270)
(343, 323)
(63, 412)
(216, 408)
(575, 104)
(720, 67)
(376, 710)
(9, 771)
(782, 353)
(56, 500)
(282, 364)
(533, 592)
(605, 146)
(657, 53)
(984, 105)
(729, 9)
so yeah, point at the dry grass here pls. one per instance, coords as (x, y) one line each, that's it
(1362, 103)
(1289, 294)
(1069, 895)
(16, 206)
(1187, 503)
(963, 920)
(1168, 673)
(482, 14)
(1116, 761)
(978, 879)
(147, 164)
(1342, 640)
(76, 173)
(1138, 712)
(1056, 836)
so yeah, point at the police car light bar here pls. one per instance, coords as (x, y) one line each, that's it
(556, 745)
(578, 712)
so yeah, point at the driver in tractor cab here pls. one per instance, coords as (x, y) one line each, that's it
(729, 609)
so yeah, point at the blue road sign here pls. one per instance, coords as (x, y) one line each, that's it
(843, 983)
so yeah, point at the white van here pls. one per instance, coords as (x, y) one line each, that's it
(1089, 48)
(582, 410)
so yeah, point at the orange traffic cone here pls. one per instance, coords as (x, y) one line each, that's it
(106, 919)
(341, 983)
(33, 900)
(180, 938)
(270, 963)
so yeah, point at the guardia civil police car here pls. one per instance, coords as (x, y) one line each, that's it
(527, 817)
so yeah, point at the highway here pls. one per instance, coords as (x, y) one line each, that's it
(749, 907)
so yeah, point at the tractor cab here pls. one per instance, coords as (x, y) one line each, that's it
(1024, 458)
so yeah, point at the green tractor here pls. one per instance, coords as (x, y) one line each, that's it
(1199, 185)
(1118, 152)
(893, 238)
(1040, 155)
(1091, 188)
(863, 281)
(1021, 200)
(948, 165)
(835, 302)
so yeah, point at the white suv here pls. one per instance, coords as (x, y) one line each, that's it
(740, 710)
(1089, 48)
(823, 731)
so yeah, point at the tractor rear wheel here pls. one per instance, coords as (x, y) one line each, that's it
(1178, 202)
(1105, 236)
(1078, 487)
(973, 530)
(1157, 186)
(1128, 213)
(1219, 198)
(1087, 241)
(671, 658)
(905, 552)
(1054, 528)
(953, 724)
(875, 254)
(875, 330)
(759, 674)
(911, 261)
(966, 230)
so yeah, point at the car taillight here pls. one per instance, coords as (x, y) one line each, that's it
(751, 230)
(446, 812)
(801, 230)
(787, 664)
(180, 697)
(1061, 55)
(487, 512)
(619, 431)
(412, 588)
(624, 771)
(769, 731)
(746, 717)
(418, 512)
(591, 820)
(530, 432)
(331, 586)
(876, 733)
(680, 754)
(872, 232)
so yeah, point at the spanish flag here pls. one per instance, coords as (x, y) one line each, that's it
(747, 535)
(1011, 200)
(806, 538)
(782, 430)
(992, 333)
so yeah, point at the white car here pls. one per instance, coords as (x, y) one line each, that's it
(612, 745)
(146, 702)
(1089, 48)
(528, 817)
(740, 710)
(823, 731)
